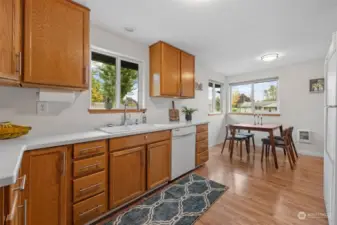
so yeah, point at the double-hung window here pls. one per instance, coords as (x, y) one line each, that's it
(215, 97)
(114, 81)
(259, 96)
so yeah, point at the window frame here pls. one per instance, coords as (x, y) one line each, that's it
(252, 82)
(119, 57)
(213, 97)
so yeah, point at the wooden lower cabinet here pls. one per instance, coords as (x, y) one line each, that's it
(2, 205)
(89, 209)
(158, 163)
(48, 187)
(15, 208)
(127, 175)
(201, 150)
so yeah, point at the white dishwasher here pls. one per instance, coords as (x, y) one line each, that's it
(183, 151)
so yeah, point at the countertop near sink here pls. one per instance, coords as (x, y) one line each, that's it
(11, 151)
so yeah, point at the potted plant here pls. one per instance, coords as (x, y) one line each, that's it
(108, 103)
(188, 112)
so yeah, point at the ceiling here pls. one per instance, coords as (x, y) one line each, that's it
(228, 36)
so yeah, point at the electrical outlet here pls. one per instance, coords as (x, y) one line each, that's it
(42, 108)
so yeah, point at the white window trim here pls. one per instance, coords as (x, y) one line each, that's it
(252, 82)
(213, 97)
(119, 57)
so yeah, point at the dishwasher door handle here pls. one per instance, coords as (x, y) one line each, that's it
(183, 135)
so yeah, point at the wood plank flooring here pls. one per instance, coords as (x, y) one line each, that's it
(261, 195)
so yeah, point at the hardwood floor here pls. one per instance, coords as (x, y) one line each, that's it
(260, 194)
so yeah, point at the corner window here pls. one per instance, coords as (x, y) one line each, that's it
(215, 97)
(255, 97)
(114, 80)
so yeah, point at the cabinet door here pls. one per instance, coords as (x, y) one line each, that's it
(10, 41)
(170, 74)
(127, 175)
(48, 186)
(187, 75)
(158, 163)
(56, 43)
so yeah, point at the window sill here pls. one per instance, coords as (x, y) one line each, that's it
(215, 114)
(109, 111)
(252, 114)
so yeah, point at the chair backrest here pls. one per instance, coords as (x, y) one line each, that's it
(228, 128)
(291, 129)
(286, 135)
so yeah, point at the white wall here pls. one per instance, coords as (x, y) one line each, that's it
(299, 107)
(19, 104)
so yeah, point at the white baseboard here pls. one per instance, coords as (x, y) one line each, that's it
(310, 153)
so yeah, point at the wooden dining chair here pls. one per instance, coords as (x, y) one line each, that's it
(285, 143)
(239, 138)
(249, 135)
(291, 129)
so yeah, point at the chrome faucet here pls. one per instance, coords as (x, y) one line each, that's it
(125, 120)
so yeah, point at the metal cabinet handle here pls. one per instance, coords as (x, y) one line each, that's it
(23, 184)
(87, 150)
(90, 187)
(89, 166)
(19, 63)
(10, 216)
(64, 167)
(24, 206)
(85, 74)
(90, 210)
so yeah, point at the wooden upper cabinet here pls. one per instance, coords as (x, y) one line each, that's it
(171, 72)
(10, 42)
(187, 75)
(127, 175)
(48, 190)
(158, 163)
(56, 44)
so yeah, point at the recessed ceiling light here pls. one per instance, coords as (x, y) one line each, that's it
(129, 29)
(270, 57)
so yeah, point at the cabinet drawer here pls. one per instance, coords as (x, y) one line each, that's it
(89, 149)
(202, 146)
(88, 166)
(202, 158)
(202, 136)
(89, 209)
(202, 128)
(158, 136)
(88, 186)
(126, 142)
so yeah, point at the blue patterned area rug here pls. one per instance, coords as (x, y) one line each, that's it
(181, 203)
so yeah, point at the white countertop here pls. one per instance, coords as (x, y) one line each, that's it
(11, 151)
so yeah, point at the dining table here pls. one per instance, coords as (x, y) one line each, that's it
(269, 128)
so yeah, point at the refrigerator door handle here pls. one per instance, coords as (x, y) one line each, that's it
(331, 106)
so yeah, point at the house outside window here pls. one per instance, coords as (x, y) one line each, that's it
(114, 80)
(259, 97)
(215, 97)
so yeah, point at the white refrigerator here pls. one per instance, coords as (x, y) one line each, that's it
(330, 135)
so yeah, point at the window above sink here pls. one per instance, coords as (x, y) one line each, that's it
(115, 79)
